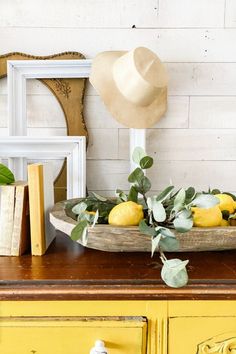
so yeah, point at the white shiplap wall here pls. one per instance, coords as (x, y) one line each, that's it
(195, 143)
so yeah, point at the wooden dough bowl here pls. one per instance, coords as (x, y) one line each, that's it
(129, 239)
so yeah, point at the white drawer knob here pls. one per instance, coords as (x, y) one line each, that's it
(99, 348)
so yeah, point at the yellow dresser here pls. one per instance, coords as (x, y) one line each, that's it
(78, 301)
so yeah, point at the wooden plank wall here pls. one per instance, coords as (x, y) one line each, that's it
(195, 143)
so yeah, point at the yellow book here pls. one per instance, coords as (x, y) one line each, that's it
(41, 200)
(20, 234)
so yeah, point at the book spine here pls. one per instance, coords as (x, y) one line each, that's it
(17, 222)
(6, 219)
(20, 233)
(36, 206)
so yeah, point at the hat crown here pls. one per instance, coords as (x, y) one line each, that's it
(132, 85)
(139, 76)
(150, 67)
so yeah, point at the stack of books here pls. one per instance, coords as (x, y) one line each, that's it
(24, 213)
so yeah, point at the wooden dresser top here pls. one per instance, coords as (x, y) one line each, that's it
(69, 271)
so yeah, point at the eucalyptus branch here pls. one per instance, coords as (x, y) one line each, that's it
(162, 256)
(164, 212)
(144, 198)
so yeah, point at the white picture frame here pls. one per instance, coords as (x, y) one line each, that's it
(73, 148)
(18, 71)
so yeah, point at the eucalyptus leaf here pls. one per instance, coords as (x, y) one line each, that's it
(146, 229)
(136, 176)
(151, 221)
(150, 201)
(144, 185)
(120, 194)
(205, 201)
(164, 194)
(138, 154)
(186, 213)
(155, 243)
(215, 191)
(174, 273)
(190, 193)
(159, 212)
(183, 225)
(179, 200)
(169, 244)
(78, 230)
(165, 231)
(95, 219)
(84, 237)
(99, 197)
(85, 216)
(133, 194)
(6, 176)
(79, 208)
(68, 210)
(146, 162)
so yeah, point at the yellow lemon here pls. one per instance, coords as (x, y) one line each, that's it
(207, 217)
(126, 214)
(224, 223)
(226, 202)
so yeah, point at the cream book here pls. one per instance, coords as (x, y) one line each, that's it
(41, 201)
(7, 204)
(20, 241)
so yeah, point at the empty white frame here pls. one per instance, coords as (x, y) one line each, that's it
(18, 71)
(19, 148)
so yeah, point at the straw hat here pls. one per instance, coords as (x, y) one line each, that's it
(133, 86)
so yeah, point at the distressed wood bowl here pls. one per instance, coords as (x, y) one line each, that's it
(129, 239)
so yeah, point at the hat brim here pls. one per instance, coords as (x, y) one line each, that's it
(125, 112)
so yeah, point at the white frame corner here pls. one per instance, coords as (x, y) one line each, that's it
(17, 148)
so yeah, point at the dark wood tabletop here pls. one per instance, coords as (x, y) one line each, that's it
(70, 271)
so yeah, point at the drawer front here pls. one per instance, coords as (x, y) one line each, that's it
(71, 335)
(202, 335)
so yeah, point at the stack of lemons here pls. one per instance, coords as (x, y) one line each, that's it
(213, 216)
(130, 213)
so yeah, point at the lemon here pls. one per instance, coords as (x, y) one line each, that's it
(226, 202)
(224, 223)
(126, 214)
(207, 217)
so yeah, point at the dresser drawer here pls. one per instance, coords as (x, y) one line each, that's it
(202, 335)
(72, 335)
